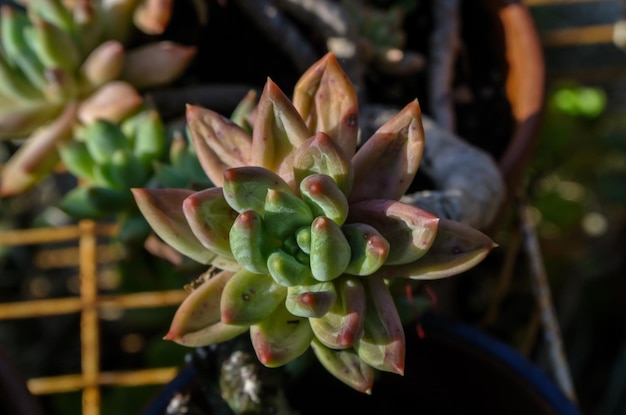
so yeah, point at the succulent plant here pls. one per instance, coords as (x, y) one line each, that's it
(304, 230)
(108, 159)
(63, 64)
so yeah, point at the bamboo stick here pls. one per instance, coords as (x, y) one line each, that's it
(57, 306)
(89, 330)
(75, 382)
(34, 236)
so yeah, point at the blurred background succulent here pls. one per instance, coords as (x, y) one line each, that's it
(108, 159)
(304, 230)
(66, 63)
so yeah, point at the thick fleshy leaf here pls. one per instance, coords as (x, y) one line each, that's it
(326, 99)
(382, 345)
(346, 366)
(281, 337)
(324, 197)
(284, 213)
(104, 64)
(18, 120)
(197, 320)
(249, 243)
(163, 209)
(210, 219)
(342, 325)
(457, 248)
(385, 165)
(330, 250)
(220, 143)
(156, 64)
(36, 159)
(250, 298)
(321, 155)
(409, 230)
(245, 188)
(369, 249)
(113, 102)
(286, 270)
(311, 299)
(278, 129)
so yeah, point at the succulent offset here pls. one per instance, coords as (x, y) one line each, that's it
(63, 63)
(304, 231)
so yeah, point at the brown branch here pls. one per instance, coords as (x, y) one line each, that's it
(543, 296)
(444, 45)
(279, 29)
(469, 187)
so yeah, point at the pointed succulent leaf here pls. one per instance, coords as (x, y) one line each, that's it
(457, 248)
(103, 64)
(197, 320)
(210, 219)
(346, 366)
(242, 113)
(55, 47)
(93, 202)
(14, 28)
(77, 159)
(385, 165)
(409, 230)
(330, 250)
(284, 213)
(342, 325)
(153, 16)
(321, 155)
(280, 338)
(245, 188)
(368, 247)
(53, 11)
(123, 171)
(311, 299)
(278, 129)
(36, 159)
(18, 120)
(250, 243)
(156, 64)
(250, 298)
(113, 102)
(14, 86)
(324, 197)
(211, 334)
(382, 345)
(286, 270)
(163, 209)
(147, 134)
(326, 99)
(220, 143)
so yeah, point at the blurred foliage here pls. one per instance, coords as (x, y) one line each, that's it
(577, 185)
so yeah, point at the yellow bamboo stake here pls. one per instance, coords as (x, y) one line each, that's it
(90, 347)
(72, 383)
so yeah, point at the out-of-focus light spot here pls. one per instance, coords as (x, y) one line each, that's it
(40, 287)
(111, 313)
(394, 55)
(595, 224)
(109, 279)
(132, 343)
(572, 191)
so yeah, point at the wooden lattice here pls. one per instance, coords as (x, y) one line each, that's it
(89, 304)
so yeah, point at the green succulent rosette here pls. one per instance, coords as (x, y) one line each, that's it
(306, 230)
